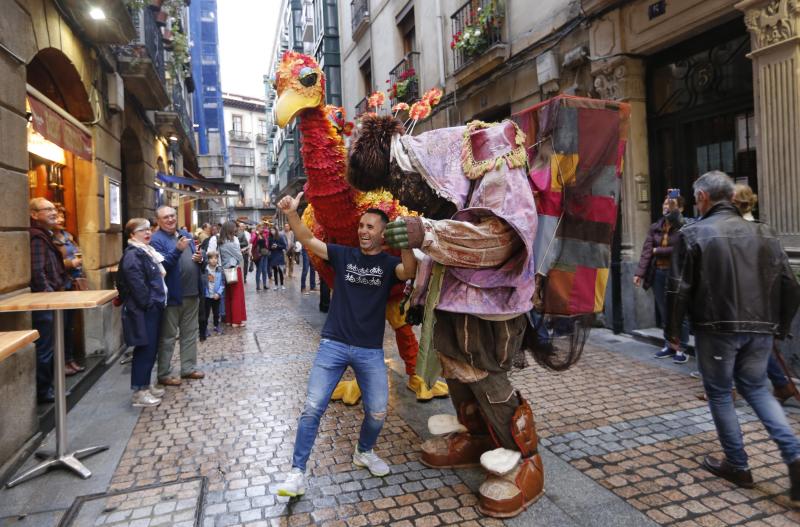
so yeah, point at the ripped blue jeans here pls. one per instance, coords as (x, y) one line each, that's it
(331, 361)
(725, 359)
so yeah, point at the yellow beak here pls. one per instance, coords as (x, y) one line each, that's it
(290, 103)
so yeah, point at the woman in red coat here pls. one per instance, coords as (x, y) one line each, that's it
(230, 254)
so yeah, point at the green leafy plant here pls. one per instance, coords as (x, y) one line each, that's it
(481, 21)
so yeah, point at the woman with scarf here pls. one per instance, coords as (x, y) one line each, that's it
(140, 282)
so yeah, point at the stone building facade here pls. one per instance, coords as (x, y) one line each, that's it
(98, 94)
(712, 85)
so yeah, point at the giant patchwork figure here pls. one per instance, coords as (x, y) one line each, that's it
(478, 230)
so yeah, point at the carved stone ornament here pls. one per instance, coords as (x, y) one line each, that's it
(609, 84)
(772, 23)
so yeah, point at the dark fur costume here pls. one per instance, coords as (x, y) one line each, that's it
(370, 168)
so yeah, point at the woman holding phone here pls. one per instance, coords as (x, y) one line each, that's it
(654, 264)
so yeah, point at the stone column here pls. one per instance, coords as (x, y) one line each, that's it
(623, 80)
(775, 44)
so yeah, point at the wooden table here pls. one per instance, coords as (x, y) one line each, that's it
(58, 302)
(13, 341)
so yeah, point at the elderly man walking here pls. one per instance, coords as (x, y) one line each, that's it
(734, 279)
(182, 261)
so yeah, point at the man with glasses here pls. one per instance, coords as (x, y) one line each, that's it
(47, 274)
(183, 262)
(734, 279)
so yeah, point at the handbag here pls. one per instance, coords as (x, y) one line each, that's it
(298, 247)
(231, 276)
(80, 284)
(263, 251)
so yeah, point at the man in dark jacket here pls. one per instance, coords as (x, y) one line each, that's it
(47, 274)
(182, 261)
(734, 279)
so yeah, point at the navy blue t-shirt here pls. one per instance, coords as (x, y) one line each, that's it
(360, 292)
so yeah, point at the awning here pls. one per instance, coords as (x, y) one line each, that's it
(204, 183)
(202, 195)
(58, 130)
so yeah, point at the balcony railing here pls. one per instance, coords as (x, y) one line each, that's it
(296, 171)
(142, 61)
(477, 26)
(261, 138)
(243, 161)
(361, 107)
(359, 10)
(404, 79)
(240, 136)
(179, 107)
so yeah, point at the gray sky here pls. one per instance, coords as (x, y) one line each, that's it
(246, 35)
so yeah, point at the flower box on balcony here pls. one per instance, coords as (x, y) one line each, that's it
(161, 18)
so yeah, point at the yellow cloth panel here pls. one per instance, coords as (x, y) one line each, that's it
(566, 165)
(600, 289)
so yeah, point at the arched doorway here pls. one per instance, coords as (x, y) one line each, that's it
(60, 151)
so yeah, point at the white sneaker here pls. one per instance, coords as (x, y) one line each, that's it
(294, 485)
(283, 288)
(144, 399)
(155, 391)
(275, 288)
(371, 461)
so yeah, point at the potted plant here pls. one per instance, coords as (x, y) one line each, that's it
(167, 37)
(474, 38)
(161, 18)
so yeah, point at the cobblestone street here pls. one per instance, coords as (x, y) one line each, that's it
(621, 439)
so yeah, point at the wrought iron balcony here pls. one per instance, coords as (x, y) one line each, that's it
(141, 62)
(239, 136)
(359, 10)
(404, 79)
(361, 107)
(476, 27)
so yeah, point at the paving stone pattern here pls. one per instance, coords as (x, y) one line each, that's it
(171, 505)
(639, 431)
(634, 428)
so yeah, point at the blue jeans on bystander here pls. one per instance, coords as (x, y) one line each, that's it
(725, 358)
(262, 272)
(306, 268)
(144, 357)
(331, 361)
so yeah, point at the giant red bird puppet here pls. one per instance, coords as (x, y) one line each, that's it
(334, 205)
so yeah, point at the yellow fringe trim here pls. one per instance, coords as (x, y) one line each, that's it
(516, 158)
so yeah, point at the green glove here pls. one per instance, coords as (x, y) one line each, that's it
(396, 234)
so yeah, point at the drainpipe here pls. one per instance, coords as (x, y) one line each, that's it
(440, 42)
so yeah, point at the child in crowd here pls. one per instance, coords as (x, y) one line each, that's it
(213, 280)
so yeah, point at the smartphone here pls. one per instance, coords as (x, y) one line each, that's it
(674, 193)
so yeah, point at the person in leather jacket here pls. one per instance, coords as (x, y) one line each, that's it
(734, 280)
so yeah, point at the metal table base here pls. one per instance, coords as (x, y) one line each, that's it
(60, 458)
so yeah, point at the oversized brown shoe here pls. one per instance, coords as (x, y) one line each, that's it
(508, 495)
(455, 450)
(196, 374)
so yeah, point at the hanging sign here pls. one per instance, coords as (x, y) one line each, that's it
(57, 130)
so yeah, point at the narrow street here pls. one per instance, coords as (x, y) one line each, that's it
(621, 437)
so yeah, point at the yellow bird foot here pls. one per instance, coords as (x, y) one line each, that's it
(347, 391)
(440, 389)
(418, 386)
